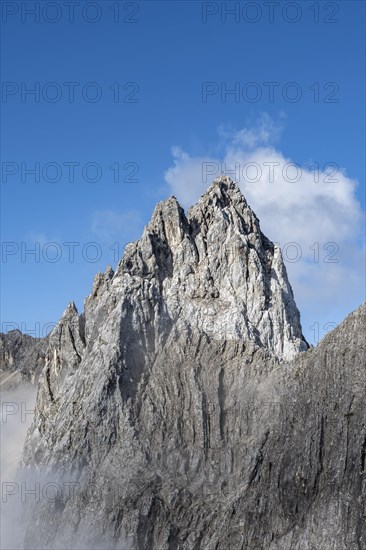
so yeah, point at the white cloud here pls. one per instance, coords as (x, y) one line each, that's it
(263, 132)
(185, 178)
(295, 204)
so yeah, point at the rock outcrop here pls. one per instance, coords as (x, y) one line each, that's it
(185, 408)
(22, 358)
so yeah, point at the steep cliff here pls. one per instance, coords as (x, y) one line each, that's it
(184, 409)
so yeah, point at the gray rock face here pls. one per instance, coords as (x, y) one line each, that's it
(216, 272)
(180, 407)
(22, 358)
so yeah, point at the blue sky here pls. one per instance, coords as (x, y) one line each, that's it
(149, 103)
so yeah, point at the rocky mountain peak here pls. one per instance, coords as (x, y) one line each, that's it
(225, 190)
(210, 271)
(217, 272)
(168, 397)
(168, 222)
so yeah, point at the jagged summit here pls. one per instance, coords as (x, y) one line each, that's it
(223, 192)
(225, 189)
(210, 271)
(217, 272)
(167, 397)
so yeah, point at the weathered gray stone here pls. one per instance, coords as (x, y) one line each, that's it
(22, 358)
(185, 407)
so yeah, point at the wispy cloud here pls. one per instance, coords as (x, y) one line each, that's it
(263, 132)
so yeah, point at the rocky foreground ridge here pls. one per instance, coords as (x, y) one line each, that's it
(185, 406)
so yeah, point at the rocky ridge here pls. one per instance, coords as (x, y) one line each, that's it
(185, 397)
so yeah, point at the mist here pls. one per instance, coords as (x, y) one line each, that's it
(17, 413)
